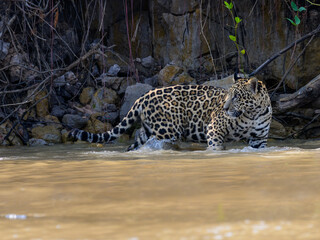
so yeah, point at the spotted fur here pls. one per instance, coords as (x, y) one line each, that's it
(197, 113)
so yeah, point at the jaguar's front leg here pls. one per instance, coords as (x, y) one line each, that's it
(215, 138)
(258, 142)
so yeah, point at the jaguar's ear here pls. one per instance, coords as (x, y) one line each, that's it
(236, 76)
(252, 85)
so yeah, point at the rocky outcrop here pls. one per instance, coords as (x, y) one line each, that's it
(42, 107)
(86, 95)
(87, 83)
(74, 121)
(102, 97)
(48, 133)
(131, 95)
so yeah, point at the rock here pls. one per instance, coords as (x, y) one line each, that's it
(54, 121)
(73, 89)
(21, 68)
(13, 139)
(60, 81)
(112, 108)
(147, 62)
(178, 39)
(179, 7)
(4, 49)
(31, 114)
(70, 77)
(153, 81)
(183, 78)
(118, 84)
(95, 71)
(48, 133)
(86, 95)
(102, 97)
(168, 74)
(37, 142)
(114, 70)
(111, 117)
(110, 82)
(96, 126)
(74, 121)
(126, 83)
(64, 136)
(221, 83)
(132, 94)
(42, 107)
(277, 130)
(16, 70)
(141, 41)
(62, 95)
(58, 111)
(56, 99)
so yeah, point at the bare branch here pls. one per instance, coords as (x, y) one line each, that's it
(263, 65)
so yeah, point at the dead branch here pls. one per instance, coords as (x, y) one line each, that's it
(304, 95)
(263, 65)
(54, 75)
(8, 25)
(290, 67)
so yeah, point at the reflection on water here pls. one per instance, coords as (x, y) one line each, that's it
(84, 192)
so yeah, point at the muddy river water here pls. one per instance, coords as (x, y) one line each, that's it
(80, 191)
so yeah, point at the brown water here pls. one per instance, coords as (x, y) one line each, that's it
(83, 192)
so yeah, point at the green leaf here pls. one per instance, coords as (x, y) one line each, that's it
(302, 9)
(297, 20)
(243, 51)
(293, 23)
(228, 5)
(233, 38)
(294, 6)
(237, 19)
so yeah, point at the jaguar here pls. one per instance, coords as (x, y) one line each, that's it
(197, 113)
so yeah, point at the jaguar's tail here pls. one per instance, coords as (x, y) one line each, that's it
(122, 127)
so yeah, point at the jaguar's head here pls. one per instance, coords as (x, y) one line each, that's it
(245, 95)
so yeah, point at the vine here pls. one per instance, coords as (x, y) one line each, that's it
(236, 20)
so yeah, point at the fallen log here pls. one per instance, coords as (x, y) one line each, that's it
(303, 96)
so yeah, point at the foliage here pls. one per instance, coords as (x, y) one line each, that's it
(296, 21)
(233, 38)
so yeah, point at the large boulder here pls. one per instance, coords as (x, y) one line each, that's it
(102, 97)
(74, 121)
(119, 84)
(48, 133)
(96, 126)
(58, 111)
(168, 74)
(225, 83)
(132, 94)
(86, 95)
(42, 106)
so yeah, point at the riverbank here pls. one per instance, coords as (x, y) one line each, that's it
(64, 67)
